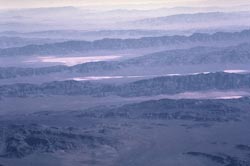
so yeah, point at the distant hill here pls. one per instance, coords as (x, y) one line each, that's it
(195, 18)
(8, 42)
(69, 47)
(87, 35)
(203, 20)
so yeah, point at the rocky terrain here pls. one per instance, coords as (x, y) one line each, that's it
(120, 132)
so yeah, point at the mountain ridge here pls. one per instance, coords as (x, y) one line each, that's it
(148, 87)
(123, 44)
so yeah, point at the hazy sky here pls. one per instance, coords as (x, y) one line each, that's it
(119, 3)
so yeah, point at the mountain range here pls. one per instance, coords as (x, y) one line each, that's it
(197, 56)
(149, 87)
(69, 47)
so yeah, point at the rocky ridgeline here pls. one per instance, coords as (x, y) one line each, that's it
(149, 87)
(195, 110)
(195, 56)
